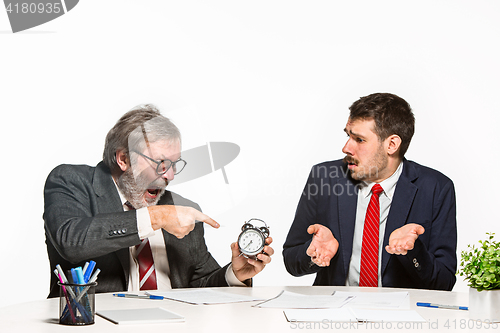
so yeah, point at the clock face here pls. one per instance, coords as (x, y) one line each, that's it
(251, 241)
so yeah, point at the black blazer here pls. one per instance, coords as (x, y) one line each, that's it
(84, 220)
(422, 196)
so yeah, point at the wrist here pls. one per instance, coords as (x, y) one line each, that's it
(158, 214)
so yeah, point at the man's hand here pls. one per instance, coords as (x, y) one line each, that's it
(403, 239)
(245, 268)
(177, 220)
(323, 246)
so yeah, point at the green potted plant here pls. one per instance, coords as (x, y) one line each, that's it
(481, 268)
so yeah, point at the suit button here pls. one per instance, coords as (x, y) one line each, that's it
(110, 233)
(124, 230)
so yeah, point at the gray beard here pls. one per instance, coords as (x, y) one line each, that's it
(134, 188)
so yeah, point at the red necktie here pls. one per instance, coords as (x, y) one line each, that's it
(368, 276)
(147, 273)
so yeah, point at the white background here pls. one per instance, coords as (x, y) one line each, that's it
(274, 77)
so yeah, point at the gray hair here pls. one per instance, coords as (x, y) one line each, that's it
(135, 130)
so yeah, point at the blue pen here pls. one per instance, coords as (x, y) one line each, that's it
(139, 296)
(441, 306)
(79, 275)
(73, 276)
(88, 272)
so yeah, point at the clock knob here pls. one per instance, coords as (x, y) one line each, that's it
(265, 231)
(246, 226)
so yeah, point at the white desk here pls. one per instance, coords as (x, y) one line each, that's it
(42, 316)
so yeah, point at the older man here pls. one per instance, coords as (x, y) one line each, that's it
(120, 215)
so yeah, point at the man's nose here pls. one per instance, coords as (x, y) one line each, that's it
(347, 147)
(169, 175)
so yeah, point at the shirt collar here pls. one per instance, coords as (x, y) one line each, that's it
(388, 185)
(122, 198)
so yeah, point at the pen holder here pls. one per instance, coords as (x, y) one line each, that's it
(76, 303)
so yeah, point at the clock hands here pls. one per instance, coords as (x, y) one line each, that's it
(241, 253)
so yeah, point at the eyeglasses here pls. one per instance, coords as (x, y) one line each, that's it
(164, 165)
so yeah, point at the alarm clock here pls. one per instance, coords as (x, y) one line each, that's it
(252, 240)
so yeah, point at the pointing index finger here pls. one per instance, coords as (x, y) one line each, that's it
(205, 218)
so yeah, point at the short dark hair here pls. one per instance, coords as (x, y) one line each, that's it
(392, 115)
(130, 129)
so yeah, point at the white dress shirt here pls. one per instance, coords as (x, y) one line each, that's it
(157, 243)
(364, 195)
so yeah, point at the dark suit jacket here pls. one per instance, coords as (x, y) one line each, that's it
(84, 220)
(422, 196)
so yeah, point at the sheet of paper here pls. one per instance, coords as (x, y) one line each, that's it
(204, 296)
(320, 315)
(290, 300)
(140, 316)
(388, 315)
(377, 300)
(346, 314)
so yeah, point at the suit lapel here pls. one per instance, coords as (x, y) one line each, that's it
(108, 201)
(400, 206)
(347, 204)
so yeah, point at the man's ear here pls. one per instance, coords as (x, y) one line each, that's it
(393, 144)
(122, 160)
